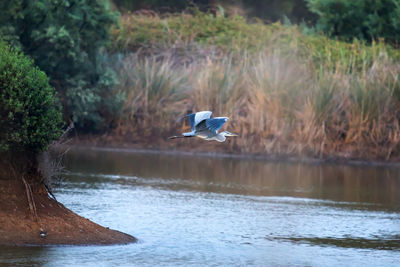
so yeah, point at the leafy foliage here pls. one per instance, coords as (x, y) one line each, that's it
(233, 34)
(230, 33)
(268, 10)
(362, 19)
(66, 39)
(133, 5)
(30, 115)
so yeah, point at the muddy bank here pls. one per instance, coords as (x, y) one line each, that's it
(54, 225)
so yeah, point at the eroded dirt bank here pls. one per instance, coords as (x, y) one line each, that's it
(61, 226)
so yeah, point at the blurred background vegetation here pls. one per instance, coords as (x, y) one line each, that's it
(66, 39)
(268, 10)
(314, 77)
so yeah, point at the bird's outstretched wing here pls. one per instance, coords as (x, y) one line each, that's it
(196, 118)
(216, 123)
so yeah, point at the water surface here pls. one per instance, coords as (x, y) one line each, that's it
(188, 210)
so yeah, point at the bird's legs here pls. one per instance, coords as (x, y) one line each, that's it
(180, 136)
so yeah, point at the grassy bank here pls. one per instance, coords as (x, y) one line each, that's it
(285, 92)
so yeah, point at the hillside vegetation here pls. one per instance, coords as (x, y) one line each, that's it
(285, 90)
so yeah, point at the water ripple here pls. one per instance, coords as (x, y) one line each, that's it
(382, 243)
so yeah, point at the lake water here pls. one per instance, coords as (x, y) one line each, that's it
(204, 211)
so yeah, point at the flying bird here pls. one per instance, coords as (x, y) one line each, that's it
(205, 127)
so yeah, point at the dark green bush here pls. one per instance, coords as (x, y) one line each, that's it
(363, 19)
(30, 116)
(66, 39)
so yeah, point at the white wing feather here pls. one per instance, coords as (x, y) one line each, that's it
(200, 116)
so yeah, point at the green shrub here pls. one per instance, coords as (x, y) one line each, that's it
(156, 34)
(66, 38)
(363, 19)
(30, 116)
(228, 33)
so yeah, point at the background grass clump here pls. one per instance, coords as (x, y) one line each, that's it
(285, 91)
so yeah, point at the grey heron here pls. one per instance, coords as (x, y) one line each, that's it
(205, 127)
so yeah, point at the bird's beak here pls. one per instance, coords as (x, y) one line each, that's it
(232, 134)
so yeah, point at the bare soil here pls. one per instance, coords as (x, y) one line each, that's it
(57, 224)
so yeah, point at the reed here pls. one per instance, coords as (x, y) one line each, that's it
(288, 94)
(154, 91)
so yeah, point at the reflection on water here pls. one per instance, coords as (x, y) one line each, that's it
(26, 256)
(342, 183)
(188, 210)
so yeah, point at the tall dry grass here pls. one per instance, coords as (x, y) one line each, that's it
(275, 102)
(285, 92)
